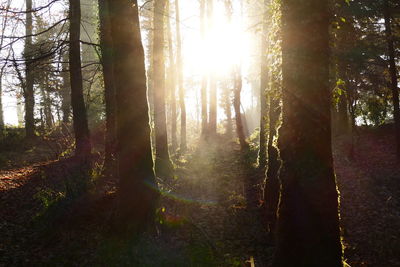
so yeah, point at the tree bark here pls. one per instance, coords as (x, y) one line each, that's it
(137, 192)
(1, 102)
(65, 91)
(393, 74)
(203, 95)
(163, 165)
(262, 152)
(236, 105)
(212, 123)
(29, 76)
(172, 82)
(82, 136)
(308, 221)
(272, 184)
(182, 104)
(109, 85)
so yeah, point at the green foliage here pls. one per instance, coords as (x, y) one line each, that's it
(338, 91)
(374, 110)
(48, 197)
(12, 139)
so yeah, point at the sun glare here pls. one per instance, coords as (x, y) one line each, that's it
(222, 48)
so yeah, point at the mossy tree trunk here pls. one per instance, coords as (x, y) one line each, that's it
(262, 152)
(308, 221)
(137, 192)
(272, 183)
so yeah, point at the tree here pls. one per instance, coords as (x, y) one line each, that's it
(29, 76)
(212, 120)
(238, 84)
(262, 153)
(109, 86)
(308, 221)
(65, 91)
(179, 64)
(203, 94)
(81, 129)
(163, 165)
(393, 72)
(172, 81)
(272, 183)
(137, 192)
(3, 67)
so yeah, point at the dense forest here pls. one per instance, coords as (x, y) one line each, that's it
(199, 133)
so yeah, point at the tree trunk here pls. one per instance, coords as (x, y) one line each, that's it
(236, 106)
(29, 90)
(262, 152)
(343, 117)
(272, 184)
(109, 86)
(65, 91)
(308, 221)
(163, 165)
(225, 88)
(212, 123)
(204, 110)
(137, 192)
(82, 137)
(183, 146)
(1, 103)
(393, 74)
(172, 82)
(343, 36)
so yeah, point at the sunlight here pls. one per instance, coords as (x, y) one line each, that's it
(222, 48)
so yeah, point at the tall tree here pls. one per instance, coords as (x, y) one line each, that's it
(1, 100)
(137, 192)
(65, 91)
(308, 221)
(29, 75)
(172, 81)
(262, 152)
(238, 84)
(2, 68)
(109, 86)
(212, 120)
(393, 72)
(163, 165)
(225, 88)
(179, 64)
(203, 94)
(81, 129)
(272, 184)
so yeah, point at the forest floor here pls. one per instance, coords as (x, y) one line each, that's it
(205, 217)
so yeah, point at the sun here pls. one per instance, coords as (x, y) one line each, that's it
(222, 48)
